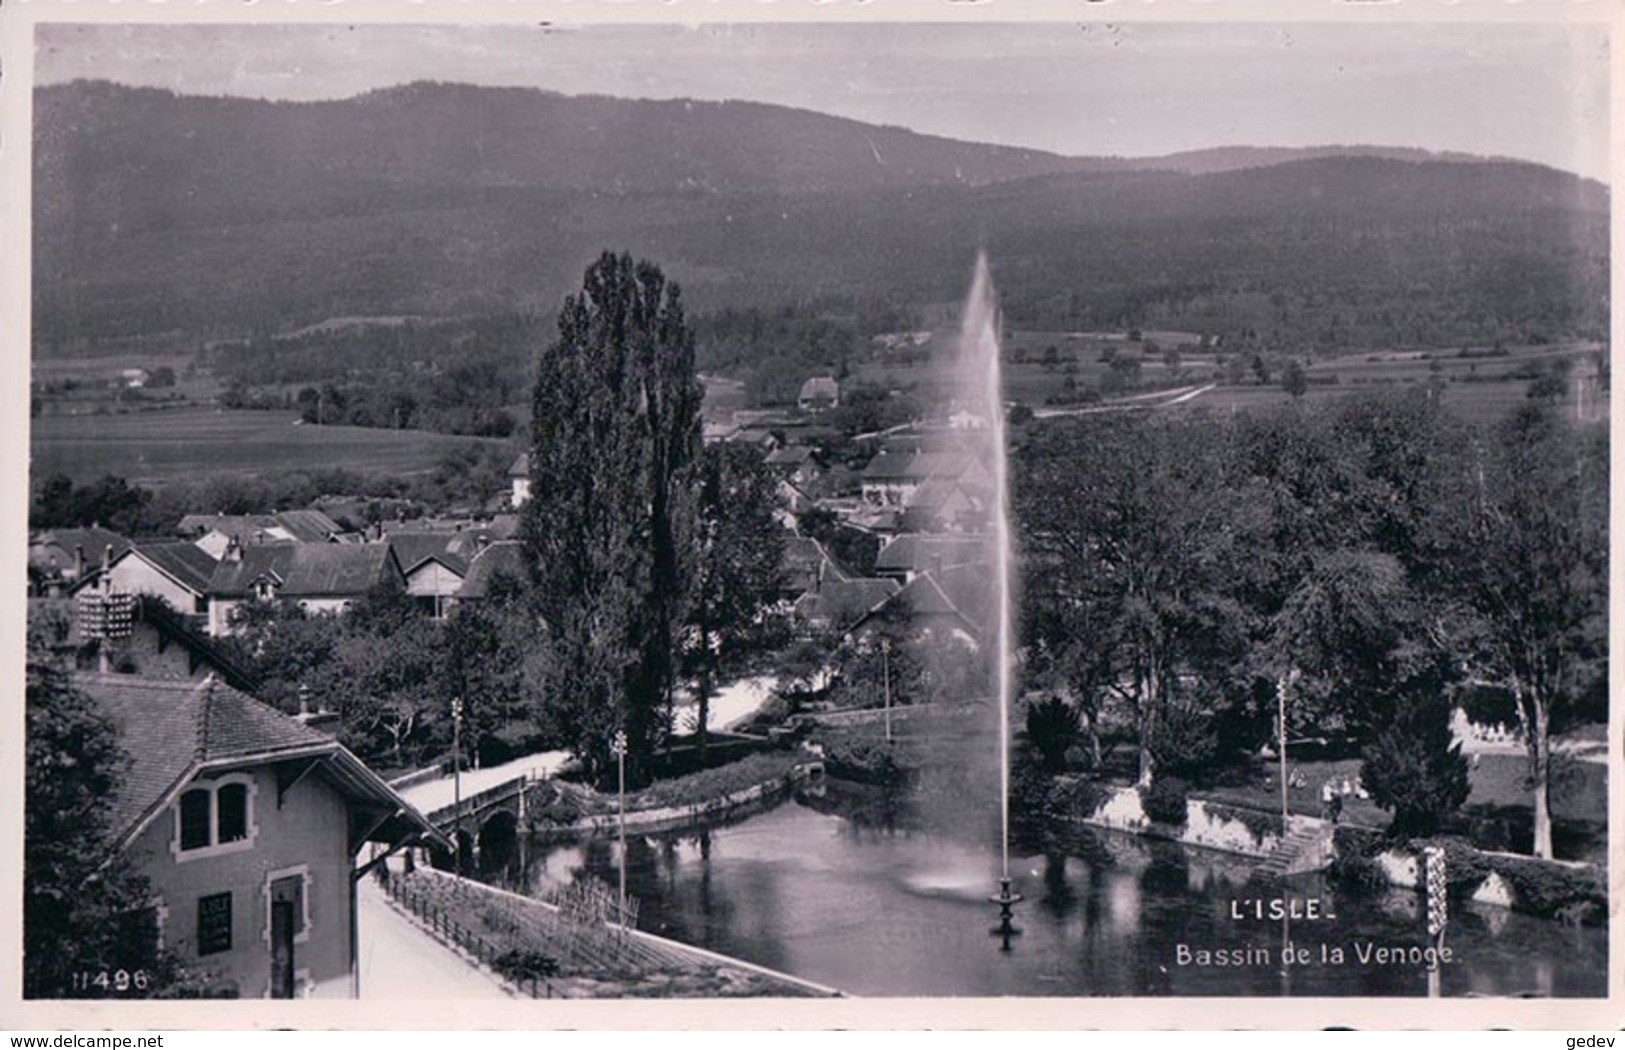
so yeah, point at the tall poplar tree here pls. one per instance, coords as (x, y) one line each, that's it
(615, 432)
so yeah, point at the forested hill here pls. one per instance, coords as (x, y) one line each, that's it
(163, 213)
(435, 134)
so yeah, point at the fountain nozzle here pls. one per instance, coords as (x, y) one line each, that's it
(1006, 900)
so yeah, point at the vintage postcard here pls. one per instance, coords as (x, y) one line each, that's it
(891, 514)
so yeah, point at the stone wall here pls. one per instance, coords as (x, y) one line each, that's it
(1209, 825)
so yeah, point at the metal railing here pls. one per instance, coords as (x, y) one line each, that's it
(504, 791)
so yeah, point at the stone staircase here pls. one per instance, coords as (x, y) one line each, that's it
(1305, 847)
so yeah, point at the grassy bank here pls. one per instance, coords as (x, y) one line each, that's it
(546, 953)
(571, 802)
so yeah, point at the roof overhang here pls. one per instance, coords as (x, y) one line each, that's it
(347, 773)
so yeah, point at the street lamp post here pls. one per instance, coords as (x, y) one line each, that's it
(457, 782)
(618, 745)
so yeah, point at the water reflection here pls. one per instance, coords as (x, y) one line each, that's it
(876, 906)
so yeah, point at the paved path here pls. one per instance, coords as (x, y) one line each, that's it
(733, 703)
(401, 961)
(437, 794)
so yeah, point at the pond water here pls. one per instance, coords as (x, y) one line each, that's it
(884, 911)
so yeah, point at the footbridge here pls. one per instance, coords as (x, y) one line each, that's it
(476, 820)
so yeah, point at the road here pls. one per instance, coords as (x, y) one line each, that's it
(401, 961)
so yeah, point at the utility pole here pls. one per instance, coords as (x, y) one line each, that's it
(457, 782)
(618, 745)
(1280, 696)
(885, 670)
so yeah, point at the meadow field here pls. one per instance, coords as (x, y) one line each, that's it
(1478, 385)
(154, 447)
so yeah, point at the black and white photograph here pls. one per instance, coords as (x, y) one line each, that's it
(705, 505)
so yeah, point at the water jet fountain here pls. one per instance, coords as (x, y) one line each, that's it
(979, 350)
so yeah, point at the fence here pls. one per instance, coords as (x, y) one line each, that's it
(487, 946)
(576, 933)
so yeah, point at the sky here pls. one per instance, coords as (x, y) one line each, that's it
(1531, 91)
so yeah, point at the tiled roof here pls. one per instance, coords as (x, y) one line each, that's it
(185, 563)
(820, 387)
(921, 598)
(790, 456)
(506, 558)
(971, 589)
(918, 552)
(61, 544)
(168, 726)
(307, 570)
(414, 548)
(922, 466)
(889, 466)
(301, 526)
(170, 729)
(308, 526)
(845, 602)
(806, 563)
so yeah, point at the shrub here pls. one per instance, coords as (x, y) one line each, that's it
(1185, 742)
(1357, 874)
(1551, 891)
(524, 964)
(1165, 801)
(1053, 726)
(1077, 797)
(1415, 769)
(866, 763)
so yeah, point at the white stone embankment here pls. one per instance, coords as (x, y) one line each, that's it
(673, 818)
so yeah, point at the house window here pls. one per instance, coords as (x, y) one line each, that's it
(215, 818)
(231, 813)
(214, 923)
(195, 806)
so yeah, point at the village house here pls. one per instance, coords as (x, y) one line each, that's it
(176, 571)
(950, 506)
(839, 604)
(248, 825)
(892, 477)
(320, 578)
(158, 642)
(214, 533)
(819, 394)
(519, 478)
(796, 464)
(59, 559)
(914, 554)
(924, 613)
(502, 560)
(804, 566)
(433, 572)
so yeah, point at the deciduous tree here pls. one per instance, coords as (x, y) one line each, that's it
(607, 533)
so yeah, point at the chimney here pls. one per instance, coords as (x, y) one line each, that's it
(107, 557)
(936, 564)
(79, 561)
(316, 716)
(234, 550)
